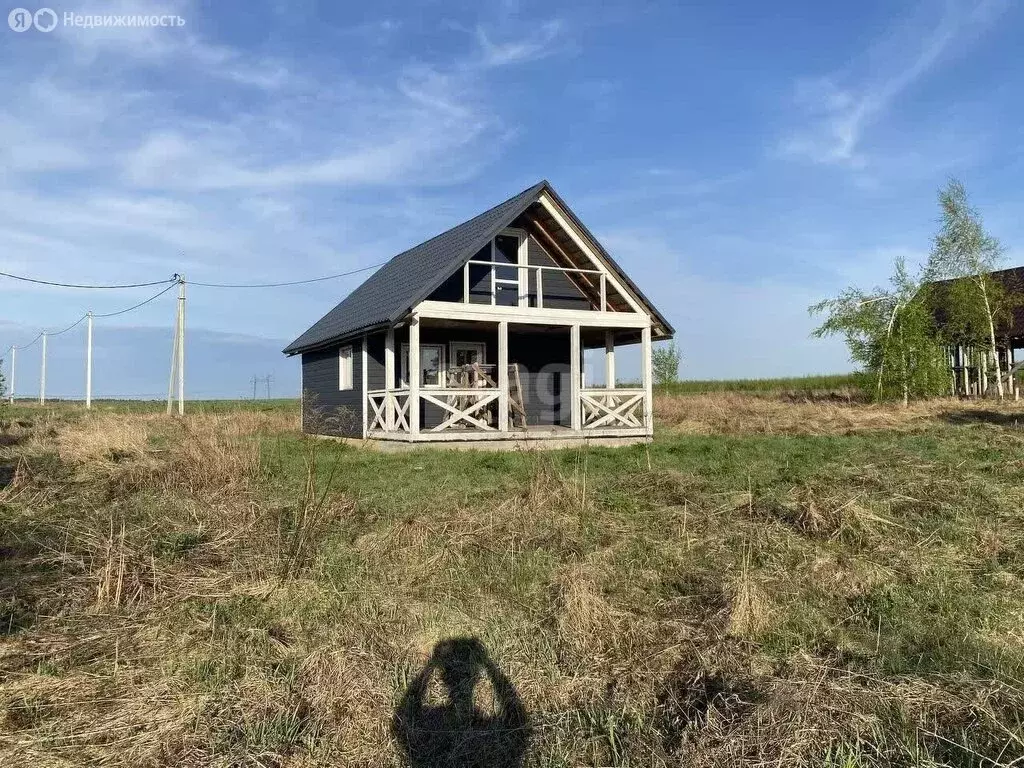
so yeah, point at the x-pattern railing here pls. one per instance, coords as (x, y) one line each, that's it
(612, 408)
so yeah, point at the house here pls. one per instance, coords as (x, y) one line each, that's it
(477, 335)
(972, 367)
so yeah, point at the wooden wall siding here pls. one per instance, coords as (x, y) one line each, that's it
(560, 292)
(543, 359)
(326, 409)
(375, 361)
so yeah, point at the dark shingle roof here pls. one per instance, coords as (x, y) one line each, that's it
(1012, 281)
(407, 278)
(390, 291)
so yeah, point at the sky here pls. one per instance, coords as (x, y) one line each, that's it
(740, 160)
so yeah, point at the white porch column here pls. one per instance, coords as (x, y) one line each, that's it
(576, 416)
(503, 375)
(365, 388)
(389, 380)
(414, 375)
(648, 378)
(609, 359)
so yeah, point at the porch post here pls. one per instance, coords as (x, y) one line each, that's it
(365, 404)
(576, 420)
(645, 365)
(389, 380)
(609, 359)
(414, 375)
(503, 376)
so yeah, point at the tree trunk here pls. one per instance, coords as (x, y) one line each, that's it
(992, 339)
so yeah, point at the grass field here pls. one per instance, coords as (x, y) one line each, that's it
(771, 582)
(844, 383)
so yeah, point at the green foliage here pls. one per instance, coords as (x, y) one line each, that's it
(665, 359)
(3, 381)
(971, 303)
(891, 335)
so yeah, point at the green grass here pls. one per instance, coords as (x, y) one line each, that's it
(744, 599)
(820, 383)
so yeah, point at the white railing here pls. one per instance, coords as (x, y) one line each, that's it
(594, 277)
(388, 410)
(475, 408)
(462, 407)
(612, 408)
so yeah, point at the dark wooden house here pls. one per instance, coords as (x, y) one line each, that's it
(478, 335)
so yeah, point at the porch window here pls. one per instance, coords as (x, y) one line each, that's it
(431, 365)
(345, 368)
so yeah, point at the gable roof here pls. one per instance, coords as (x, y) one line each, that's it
(394, 289)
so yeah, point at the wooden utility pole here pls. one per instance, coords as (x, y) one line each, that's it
(42, 374)
(88, 361)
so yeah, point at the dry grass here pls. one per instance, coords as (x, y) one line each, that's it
(738, 414)
(218, 591)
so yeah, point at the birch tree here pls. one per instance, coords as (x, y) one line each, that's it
(964, 252)
(890, 333)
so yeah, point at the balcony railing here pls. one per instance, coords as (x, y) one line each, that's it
(497, 273)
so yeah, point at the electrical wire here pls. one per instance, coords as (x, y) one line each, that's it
(105, 314)
(141, 303)
(58, 333)
(292, 282)
(81, 285)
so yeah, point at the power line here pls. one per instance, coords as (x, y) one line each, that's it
(141, 303)
(106, 314)
(82, 285)
(292, 282)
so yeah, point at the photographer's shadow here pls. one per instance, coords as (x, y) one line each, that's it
(457, 733)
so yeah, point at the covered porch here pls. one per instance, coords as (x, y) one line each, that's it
(450, 380)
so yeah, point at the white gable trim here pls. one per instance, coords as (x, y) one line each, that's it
(555, 210)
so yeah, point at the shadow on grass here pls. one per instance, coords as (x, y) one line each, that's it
(996, 418)
(456, 733)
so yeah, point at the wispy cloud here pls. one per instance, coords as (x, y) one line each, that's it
(839, 109)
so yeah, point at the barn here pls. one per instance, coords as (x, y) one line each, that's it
(476, 337)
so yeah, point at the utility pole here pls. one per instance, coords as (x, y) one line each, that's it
(181, 347)
(269, 378)
(14, 358)
(178, 353)
(42, 374)
(88, 360)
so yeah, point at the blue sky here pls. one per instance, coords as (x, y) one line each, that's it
(740, 160)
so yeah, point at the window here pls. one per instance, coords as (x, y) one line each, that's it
(499, 285)
(431, 365)
(345, 368)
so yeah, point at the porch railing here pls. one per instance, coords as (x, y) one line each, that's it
(475, 408)
(612, 408)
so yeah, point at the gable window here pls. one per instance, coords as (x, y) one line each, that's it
(431, 365)
(345, 368)
(503, 284)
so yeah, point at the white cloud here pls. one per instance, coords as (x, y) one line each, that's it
(840, 109)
